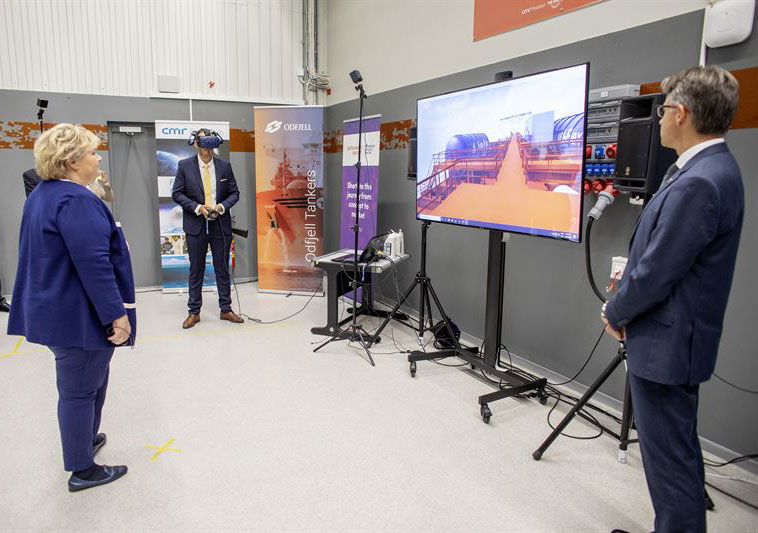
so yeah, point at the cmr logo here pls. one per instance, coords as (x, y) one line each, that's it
(276, 125)
(174, 131)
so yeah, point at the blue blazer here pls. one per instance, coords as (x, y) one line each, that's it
(74, 273)
(676, 285)
(188, 192)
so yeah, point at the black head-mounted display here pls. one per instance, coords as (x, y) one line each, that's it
(211, 139)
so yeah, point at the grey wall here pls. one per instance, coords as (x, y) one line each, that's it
(551, 316)
(89, 109)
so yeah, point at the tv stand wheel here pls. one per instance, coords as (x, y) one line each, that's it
(413, 369)
(486, 413)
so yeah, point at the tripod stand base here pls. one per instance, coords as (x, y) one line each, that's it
(353, 333)
(517, 384)
(627, 418)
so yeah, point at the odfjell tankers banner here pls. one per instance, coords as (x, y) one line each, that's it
(492, 17)
(289, 183)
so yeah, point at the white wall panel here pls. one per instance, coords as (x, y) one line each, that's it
(395, 43)
(251, 49)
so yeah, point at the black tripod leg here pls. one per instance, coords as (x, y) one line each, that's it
(626, 422)
(586, 398)
(429, 307)
(394, 311)
(424, 297)
(363, 339)
(444, 318)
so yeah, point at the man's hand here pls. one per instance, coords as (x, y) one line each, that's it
(619, 335)
(218, 208)
(204, 211)
(121, 330)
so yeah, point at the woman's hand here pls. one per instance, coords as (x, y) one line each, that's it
(121, 330)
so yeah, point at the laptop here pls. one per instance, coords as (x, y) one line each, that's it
(372, 250)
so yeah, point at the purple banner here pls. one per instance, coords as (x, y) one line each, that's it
(368, 199)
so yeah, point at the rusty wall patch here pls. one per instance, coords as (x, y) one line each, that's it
(395, 135)
(22, 135)
(333, 141)
(242, 140)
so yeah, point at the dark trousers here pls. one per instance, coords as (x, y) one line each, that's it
(82, 379)
(666, 418)
(197, 247)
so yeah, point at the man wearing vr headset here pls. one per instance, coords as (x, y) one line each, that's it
(206, 189)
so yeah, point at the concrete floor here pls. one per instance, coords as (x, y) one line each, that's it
(270, 436)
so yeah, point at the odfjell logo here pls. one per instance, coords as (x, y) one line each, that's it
(273, 126)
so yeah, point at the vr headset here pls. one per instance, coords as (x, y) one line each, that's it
(211, 139)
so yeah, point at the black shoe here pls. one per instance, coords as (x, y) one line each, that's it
(619, 531)
(4, 307)
(99, 443)
(112, 472)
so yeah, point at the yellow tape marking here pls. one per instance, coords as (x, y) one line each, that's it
(15, 350)
(161, 449)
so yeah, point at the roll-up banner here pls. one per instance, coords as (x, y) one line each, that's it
(171, 147)
(368, 200)
(289, 200)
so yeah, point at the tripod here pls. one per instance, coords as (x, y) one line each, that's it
(423, 281)
(626, 417)
(354, 332)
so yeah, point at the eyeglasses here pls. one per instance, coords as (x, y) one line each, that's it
(661, 109)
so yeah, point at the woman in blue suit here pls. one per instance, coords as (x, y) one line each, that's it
(74, 292)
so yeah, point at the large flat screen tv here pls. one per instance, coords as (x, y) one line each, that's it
(506, 156)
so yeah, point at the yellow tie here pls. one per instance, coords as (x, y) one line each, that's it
(207, 186)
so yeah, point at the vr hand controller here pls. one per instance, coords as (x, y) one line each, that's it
(211, 215)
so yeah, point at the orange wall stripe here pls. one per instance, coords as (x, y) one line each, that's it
(747, 112)
(394, 135)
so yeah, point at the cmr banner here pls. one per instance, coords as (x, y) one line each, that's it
(289, 183)
(171, 147)
(492, 17)
(368, 198)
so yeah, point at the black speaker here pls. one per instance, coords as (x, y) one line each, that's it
(412, 153)
(641, 161)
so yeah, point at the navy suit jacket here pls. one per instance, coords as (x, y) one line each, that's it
(676, 285)
(188, 192)
(74, 274)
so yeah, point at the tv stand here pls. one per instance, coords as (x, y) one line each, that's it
(493, 322)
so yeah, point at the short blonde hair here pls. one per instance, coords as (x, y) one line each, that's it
(58, 145)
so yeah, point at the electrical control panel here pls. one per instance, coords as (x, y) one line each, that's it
(603, 113)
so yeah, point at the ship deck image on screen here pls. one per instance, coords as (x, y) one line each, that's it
(506, 156)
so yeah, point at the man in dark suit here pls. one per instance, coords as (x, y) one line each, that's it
(4, 306)
(31, 180)
(670, 307)
(206, 190)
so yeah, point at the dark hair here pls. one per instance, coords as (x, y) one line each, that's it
(710, 93)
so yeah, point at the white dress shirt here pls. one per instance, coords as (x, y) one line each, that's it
(694, 150)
